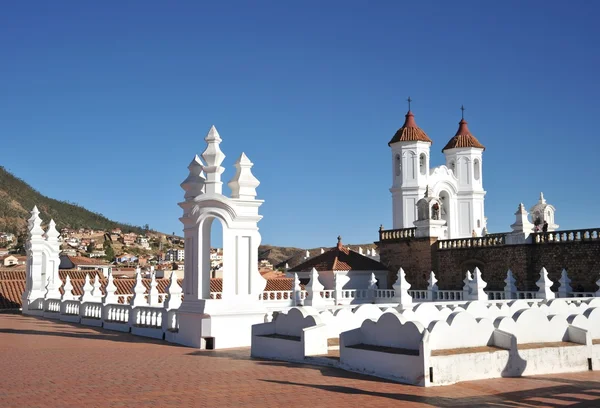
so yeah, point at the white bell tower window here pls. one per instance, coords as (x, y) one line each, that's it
(398, 165)
(476, 169)
(423, 163)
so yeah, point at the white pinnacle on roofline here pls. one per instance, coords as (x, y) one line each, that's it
(213, 156)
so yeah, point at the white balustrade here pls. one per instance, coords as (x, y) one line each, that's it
(450, 295)
(582, 294)
(418, 294)
(384, 293)
(172, 321)
(52, 305)
(70, 307)
(148, 317)
(496, 294)
(92, 310)
(216, 295)
(117, 313)
(277, 295)
(527, 294)
(327, 294)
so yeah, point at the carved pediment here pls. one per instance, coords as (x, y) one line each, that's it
(442, 171)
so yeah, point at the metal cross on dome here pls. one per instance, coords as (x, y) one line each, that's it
(409, 101)
(462, 108)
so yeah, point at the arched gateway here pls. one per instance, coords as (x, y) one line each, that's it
(220, 323)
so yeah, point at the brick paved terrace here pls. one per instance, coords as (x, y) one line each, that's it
(52, 364)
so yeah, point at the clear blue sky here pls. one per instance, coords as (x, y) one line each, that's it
(106, 103)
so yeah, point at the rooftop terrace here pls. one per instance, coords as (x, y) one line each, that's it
(50, 364)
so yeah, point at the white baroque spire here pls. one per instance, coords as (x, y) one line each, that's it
(111, 289)
(153, 294)
(51, 233)
(174, 290)
(401, 288)
(67, 289)
(138, 291)
(194, 183)
(35, 223)
(544, 284)
(213, 156)
(243, 184)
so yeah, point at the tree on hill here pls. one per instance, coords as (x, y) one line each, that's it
(91, 247)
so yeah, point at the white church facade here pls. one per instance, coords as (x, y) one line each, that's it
(458, 185)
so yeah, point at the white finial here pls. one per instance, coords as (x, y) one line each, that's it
(322, 251)
(243, 184)
(87, 290)
(542, 199)
(111, 289)
(51, 233)
(97, 292)
(286, 266)
(565, 288)
(467, 282)
(313, 289)
(401, 288)
(153, 294)
(478, 285)
(194, 183)
(360, 250)
(545, 285)
(307, 255)
(510, 288)
(213, 156)
(297, 289)
(35, 224)
(373, 282)
(139, 290)
(67, 289)
(432, 282)
(174, 290)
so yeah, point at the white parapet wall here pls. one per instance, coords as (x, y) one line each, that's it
(292, 336)
(463, 347)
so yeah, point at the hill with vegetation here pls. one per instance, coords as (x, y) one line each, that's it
(17, 198)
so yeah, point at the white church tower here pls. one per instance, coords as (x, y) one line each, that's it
(464, 157)
(457, 186)
(410, 170)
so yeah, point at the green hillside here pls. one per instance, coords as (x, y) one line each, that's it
(17, 198)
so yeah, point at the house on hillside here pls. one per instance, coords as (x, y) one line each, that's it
(97, 254)
(82, 263)
(126, 258)
(128, 239)
(14, 260)
(143, 242)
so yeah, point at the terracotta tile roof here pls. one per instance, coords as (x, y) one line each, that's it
(11, 289)
(10, 293)
(410, 132)
(82, 260)
(463, 138)
(12, 275)
(339, 258)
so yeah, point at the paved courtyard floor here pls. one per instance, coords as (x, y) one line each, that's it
(51, 364)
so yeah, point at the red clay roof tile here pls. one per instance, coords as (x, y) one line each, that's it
(410, 132)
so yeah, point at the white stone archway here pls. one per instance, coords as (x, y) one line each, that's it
(227, 321)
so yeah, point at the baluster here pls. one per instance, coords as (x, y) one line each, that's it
(159, 317)
(153, 319)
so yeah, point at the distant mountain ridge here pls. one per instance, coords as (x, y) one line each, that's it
(17, 199)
